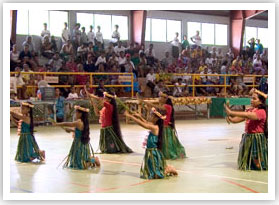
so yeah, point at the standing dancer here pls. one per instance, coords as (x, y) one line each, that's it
(27, 148)
(81, 154)
(172, 148)
(253, 148)
(111, 140)
(154, 165)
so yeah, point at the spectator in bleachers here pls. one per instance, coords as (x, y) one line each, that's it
(259, 46)
(45, 32)
(160, 87)
(71, 64)
(196, 39)
(46, 48)
(142, 68)
(109, 50)
(113, 60)
(76, 36)
(89, 65)
(101, 89)
(119, 48)
(81, 79)
(26, 77)
(55, 63)
(202, 66)
(121, 59)
(67, 50)
(230, 55)
(178, 90)
(129, 65)
(82, 51)
(256, 54)
(101, 59)
(150, 55)
(251, 43)
(91, 35)
(73, 94)
(264, 57)
(167, 60)
(136, 61)
(150, 80)
(14, 58)
(19, 85)
(83, 36)
(258, 66)
(114, 78)
(25, 53)
(99, 36)
(175, 46)
(65, 36)
(213, 51)
(30, 43)
(53, 44)
(131, 49)
(185, 43)
(219, 54)
(115, 37)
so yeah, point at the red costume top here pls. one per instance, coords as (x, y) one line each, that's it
(106, 115)
(256, 126)
(168, 114)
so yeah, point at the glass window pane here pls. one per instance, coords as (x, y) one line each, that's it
(85, 20)
(105, 22)
(147, 30)
(158, 30)
(221, 32)
(56, 22)
(207, 33)
(172, 28)
(192, 27)
(36, 20)
(122, 22)
(250, 32)
(263, 36)
(22, 22)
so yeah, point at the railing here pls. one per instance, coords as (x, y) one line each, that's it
(224, 85)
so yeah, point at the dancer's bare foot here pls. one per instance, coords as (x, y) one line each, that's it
(97, 161)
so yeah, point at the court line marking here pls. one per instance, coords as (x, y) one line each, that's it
(240, 185)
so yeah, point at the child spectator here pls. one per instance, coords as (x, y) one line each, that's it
(73, 94)
(150, 80)
(178, 90)
(119, 48)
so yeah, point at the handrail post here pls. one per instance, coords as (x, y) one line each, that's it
(193, 83)
(91, 79)
(132, 85)
(225, 84)
(253, 81)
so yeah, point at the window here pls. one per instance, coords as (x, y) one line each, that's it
(207, 34)
(221, 34)
(192, 28)
(105, 22)
(158, 30)
(147, 30)
(122, 22)
(56, 22)
(85, 20)
(36, 20)
(263, 36)
(172, 28)
(22, 22)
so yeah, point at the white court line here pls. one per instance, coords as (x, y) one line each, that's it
(213, 155)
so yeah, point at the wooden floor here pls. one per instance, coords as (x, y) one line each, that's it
(210, 166)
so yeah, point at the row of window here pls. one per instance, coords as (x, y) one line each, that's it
(30, 22)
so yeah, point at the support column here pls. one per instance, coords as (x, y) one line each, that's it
(13, 21)
(138, 21)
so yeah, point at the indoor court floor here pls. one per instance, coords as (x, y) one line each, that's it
(210, 167)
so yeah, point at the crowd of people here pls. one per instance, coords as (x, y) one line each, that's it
(87, 52)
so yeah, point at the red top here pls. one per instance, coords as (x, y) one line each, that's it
(168, 114)
(256, 126)
(106, 115)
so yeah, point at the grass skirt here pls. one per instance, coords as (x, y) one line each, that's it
(81, 155)
(172, 148)
(27, 148)
(111, 143)
(253, 152)
(153, 166)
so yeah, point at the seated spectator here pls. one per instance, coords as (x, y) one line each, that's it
(136, 61)
(31, 91)
(53, 44)
(131, 49)
(46, 48)
(129, 65)
(173, 66)
(45, 33)
(55, 63)
(202, 66)
(114, 78)
(81, 79)
(101, 89)
(14, 58)
(19, 85)
(142, 68)
(219, 54)
(113, 60)
(256, 54)
(73, 94)
(160, 87)
(41, 82)
(264, 57)
(67, 50)
(150, 55)
(30, 43)
(150, 80)
(167, 60)
(25, 53)
(258, 66)
(82, 52)
(180, 89)
(71, 64)
(101, 59)
(119, 48)
(26, 77)
(110, 50)
(89, 65)
(90, 49)
(121, 58)
(213, 80)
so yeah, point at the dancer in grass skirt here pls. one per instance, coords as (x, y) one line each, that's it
(81, 155)
(27, 148)
(253, 148)
(111, 140)
(172, 148)
(154, 165)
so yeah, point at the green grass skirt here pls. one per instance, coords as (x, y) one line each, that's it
(172, 148)
(253, 152)
(27, 148)
(153, 166)
(111, 143)
(80, 154)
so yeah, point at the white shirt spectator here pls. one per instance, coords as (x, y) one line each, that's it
(203, 77)
(100, 60)
(81, 50)
(45, 33)
(147, 52)
(117, 49)
(72, 96)
(115, 36)
(178, 90)
(121, 60)
(65, 35)
(14, 56)
(99, 37)
(128, 64)
(91, 37)
(17, 81)
(214, 79)
(115, 58)
(197, 40)
(257, 62)
(175, 42)
(43, 83)
(150, 77)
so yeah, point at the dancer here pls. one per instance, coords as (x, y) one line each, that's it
(154, 165)
(81, 154)
(27, 148)
(172, 148)
(111, 140)
(253, 148)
